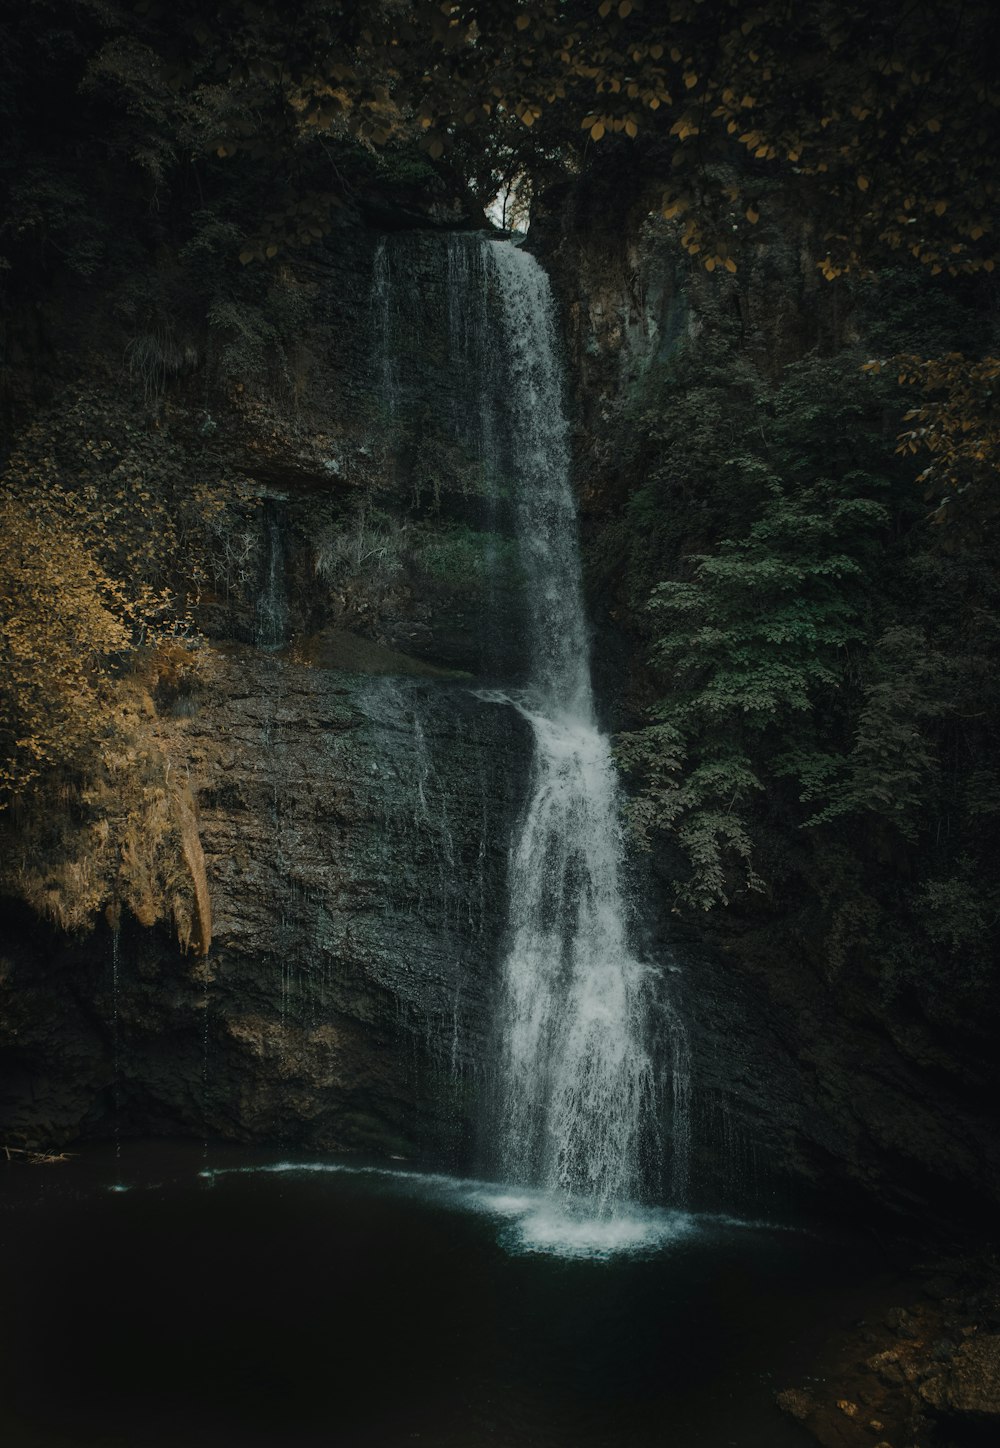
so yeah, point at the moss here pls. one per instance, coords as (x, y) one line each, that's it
(333, 648)
(463, 558)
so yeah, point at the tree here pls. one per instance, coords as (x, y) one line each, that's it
(885, 124)
(63, 626)
(751, 644)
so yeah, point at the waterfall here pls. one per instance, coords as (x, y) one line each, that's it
(578, 1088)
(589, 1049)
(544, 506)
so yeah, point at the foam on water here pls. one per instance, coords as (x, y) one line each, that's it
(554, 1231)
(559, 1226)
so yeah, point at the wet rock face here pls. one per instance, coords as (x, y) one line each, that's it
(355, 834)
(354, 799)
(369, 505)
(800, 1093)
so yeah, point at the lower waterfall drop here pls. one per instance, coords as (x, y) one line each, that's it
(578, 1094)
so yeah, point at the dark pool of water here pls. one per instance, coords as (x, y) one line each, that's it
(263, 1308)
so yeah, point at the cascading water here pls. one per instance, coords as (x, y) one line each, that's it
(578, 1093)
(581, 1020)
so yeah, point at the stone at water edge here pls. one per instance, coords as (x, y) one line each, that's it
(795, 1402)
(841, 1426)
(969, 1386)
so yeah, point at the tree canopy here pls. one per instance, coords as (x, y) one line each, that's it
(885, 122)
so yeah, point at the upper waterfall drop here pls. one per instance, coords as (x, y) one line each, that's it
(578, 1096)
(545, 508)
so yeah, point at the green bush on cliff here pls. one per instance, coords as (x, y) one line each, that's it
(827, 661)
(751, 644)
(63, 626)
(463, 558)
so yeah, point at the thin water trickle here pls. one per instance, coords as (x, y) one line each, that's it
(271, 620)
(204, 1060)
(115, 1043)
(383, 326)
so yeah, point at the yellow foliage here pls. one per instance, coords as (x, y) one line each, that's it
(121, 834)
(956, 420)
(95, 522)
(63, 629)
(835, 111)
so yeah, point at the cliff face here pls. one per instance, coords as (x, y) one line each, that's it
(353, 797)
(354, 831)
(295, 853)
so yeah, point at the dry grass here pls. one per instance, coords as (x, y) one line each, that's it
(126, 837)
